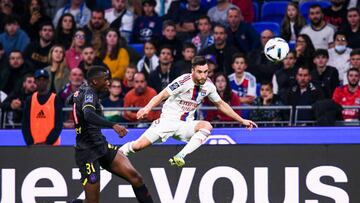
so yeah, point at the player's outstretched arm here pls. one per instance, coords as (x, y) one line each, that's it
(227, 110)
(93, 118)
(143, 112)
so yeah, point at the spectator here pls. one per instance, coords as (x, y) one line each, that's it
(128, 81)
(218, 13)
(260, 66)
(59, 73)
(89, 59)
(42, 120)
(14, 38)
(16, 100)
(149, 61)
(352, 28)
(212, 65)
(3, 58)
(320, 33)
(148, 26)
(336, 13)
(184, 66)
(169, 38)
(241, 34)
(78, 9)
(222, 50)
(73, 55)
(120, 18)
(303, 93)
(139, 96)
(304, 51)
(246, 8)
(115, 99)
(52, 6)
(11, 76)
(223, 88)
(204, 38)
(65, 30)
(349, 95)
(339, 56)
(267, 98)
(284, 78)
(354, 62)
(96, 28)
(34, 17)
(242, 82)
(165, 72)
(76, 79)
(324, 76)
(6, 10)
(163, 9)
(37, 51)
(292, 23)
(114, 54)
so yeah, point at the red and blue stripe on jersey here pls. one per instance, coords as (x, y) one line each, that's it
(195, 94)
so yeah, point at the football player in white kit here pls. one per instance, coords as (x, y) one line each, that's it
(177, 119)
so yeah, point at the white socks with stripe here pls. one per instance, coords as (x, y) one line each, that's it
(195, 142)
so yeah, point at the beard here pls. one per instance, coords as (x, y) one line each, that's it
(353, 84)
(316, 22)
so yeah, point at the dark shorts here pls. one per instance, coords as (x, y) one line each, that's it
(90, 169)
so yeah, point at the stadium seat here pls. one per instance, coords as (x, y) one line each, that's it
(139, 48)
(261, 26)
(273, 11)
(304, 7)
(256, 11)
(258, 87)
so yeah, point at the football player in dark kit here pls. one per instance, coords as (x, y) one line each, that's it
(92, 150)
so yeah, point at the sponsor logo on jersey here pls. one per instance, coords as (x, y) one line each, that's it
(89, 98)
(41, 114)
(174, 86)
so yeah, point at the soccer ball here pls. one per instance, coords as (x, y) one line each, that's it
(276, 49)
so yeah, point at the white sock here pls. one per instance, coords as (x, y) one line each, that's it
(127, 148)
(195, 142)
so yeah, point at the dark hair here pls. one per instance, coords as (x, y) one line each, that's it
(265, 82)
(299, 20)
(28, 75)
(219, 25)
(304, 68)
(28, 4)
(239, 55)
(87, 45)
(115, 51)
(15, 51)
(95, 71)
(47, 23)
(309, 49)
(167, 46)
(116, 80)
(353, 9)
(352, 69)
(97, 10)
(168, 23)
(151, 41)
(59, 28)
(227, 92)
(339, 32)
(355, 52)
(132, 66)
(203, 17)
(198, 61)
(11, 20)
(321, 52)
(188, 45)
(316, 5)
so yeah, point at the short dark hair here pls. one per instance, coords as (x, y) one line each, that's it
(352, 69)
(304, 68)
(116, 80)
(97, 10)
(339, 32)
(353, 9)
(198, 61)
(355, 52)
(11, 20)
(321, 52)
(168, 23)
(15, 51)
(95, 71)
(28, 75)
(315, 6)
(239, 55)
(203, 17)
(220, 25)
(167, 46)
(88, 45)
(266, 82)
(188, 45)
(47, 23)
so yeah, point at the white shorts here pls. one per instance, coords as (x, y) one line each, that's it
(161, 129)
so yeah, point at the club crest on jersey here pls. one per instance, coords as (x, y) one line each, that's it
(174, 86)
(89, 98)
(203, 92)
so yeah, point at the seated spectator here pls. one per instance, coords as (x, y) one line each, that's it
(212, 65)
(319, 31)
(59, 73)
(354, 62)
(204, 38)
(6, 10)
(89, 59)
(11, 75)
(128, 81)
(246, 8)
(148, 26)
(115, 99)
(304, 49)
(349, 95)
(339, 56)
(139, 96)
(120, 18)
(34, 17)
(149, 61)
(76, 79)
(42, 121)
(78, 9)
(65, 30)
(36, 53)
(324, 76)
(304, 93)
(184, 65)
(222, 50)
(169, 38)
(292, 23)
(222, 85)
(96, 27)
(242, 82)
(241, 34)
(218, 13)
(352, 28)
(336, 13)
(267, 98)
(15, 101)
(114, 54)
(73, 55)
(14, 38)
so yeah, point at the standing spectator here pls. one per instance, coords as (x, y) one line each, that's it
(169, 38)
(319, 31)
(73, 55)
(78, 9)
(76, 79)
(128, 81)
(241, 34)
(148, 26)
(59, 73)
(304, 51)
(115, 99)
(324, 76)
(89, 59)
(336, 13)
(218, 13)
(222, 50)
(184, 66)
(14, 38)
(246, 8)
(149, 61)
(139, 96)
(65, 30)
(205, 37)
(292, 23)
(354, 62)
(339, 56)
(36, 53)
(120, 18)
(42, 120)
(349, 95)
(114, 54)
(352, 28)
(96, 28)
(242, 82)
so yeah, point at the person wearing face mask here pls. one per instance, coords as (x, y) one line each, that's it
(339, 55)
(336, 13)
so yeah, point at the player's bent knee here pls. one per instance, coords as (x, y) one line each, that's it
(204, 125)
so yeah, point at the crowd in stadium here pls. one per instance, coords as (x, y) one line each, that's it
(66, 37)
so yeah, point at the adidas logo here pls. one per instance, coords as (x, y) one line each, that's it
(41, 114)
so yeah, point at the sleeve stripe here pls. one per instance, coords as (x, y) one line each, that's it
(88, 105)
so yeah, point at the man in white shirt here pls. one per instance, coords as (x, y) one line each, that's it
(354, 63)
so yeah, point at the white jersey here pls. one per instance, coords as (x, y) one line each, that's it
(186, 96)
(127, 21)
(320, 38)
